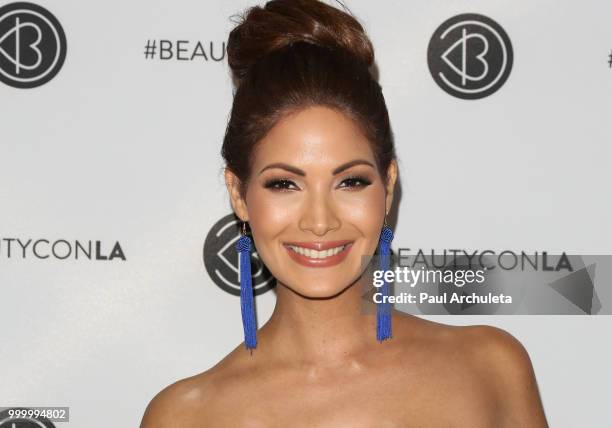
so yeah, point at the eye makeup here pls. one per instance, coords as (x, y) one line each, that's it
(279, 184)
(362, 180)
(282, 184)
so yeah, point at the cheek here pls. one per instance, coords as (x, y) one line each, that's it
(365, 209)
(268, 216)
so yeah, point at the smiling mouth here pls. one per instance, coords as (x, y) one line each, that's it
(319, 254)
(315, 254)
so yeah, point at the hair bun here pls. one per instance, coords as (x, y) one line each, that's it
(280, 23)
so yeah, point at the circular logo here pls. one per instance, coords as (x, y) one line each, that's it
(470, 56)
(32, 45)
(8, 420)
(222, 260)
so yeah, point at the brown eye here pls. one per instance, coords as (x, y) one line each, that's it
(281, 184)
(356, 182)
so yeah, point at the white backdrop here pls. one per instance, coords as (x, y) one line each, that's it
(120, 148)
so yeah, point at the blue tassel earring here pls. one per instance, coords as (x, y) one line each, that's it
(244, 247)
(383, 310)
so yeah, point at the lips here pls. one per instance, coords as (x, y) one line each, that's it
(319, 245)
(316, 254)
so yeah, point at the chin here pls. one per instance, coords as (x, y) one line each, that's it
(319, 291)
(320, 286)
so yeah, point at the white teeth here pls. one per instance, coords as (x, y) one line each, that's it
(314, 254)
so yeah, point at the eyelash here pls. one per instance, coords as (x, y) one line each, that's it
(270, 184)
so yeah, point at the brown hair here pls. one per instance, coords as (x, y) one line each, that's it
(292, 54)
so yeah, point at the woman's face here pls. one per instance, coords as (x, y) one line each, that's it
(314, 185)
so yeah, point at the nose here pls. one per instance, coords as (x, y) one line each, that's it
(319, 214)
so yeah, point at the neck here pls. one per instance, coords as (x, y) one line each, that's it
(319, 331)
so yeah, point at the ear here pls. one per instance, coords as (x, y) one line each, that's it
(390, 184)
(232, 182)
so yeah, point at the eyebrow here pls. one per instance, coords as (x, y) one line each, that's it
(298, 171)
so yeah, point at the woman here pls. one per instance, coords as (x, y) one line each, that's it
(311, 165)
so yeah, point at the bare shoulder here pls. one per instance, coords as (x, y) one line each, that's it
(496, 347)
(489, 365)
(180, 403)
(483, 345)
(499, 353)
(504, 361)
(185, 403)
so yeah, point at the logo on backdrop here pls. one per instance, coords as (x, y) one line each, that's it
(32, 45)
(59, 249)
(184, 50)
(470, 56)
(221, 259)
